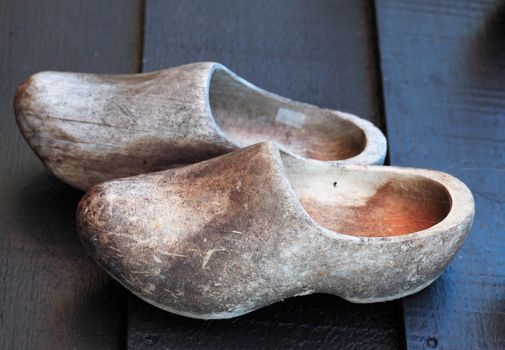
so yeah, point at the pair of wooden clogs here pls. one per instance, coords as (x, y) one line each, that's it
(227, 229)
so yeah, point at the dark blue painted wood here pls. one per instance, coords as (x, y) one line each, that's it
(52, 296)
(320, 52)
(443, 66)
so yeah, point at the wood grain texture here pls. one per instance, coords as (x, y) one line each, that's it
(443, 66)
(52, 295)
(320, 52)
(89, 128)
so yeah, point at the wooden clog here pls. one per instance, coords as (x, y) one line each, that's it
(89, 128)
(226, 236)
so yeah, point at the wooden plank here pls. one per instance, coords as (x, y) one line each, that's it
(51, 295)
(321, 52)
(443, 66)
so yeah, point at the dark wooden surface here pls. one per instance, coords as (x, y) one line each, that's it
(443, 67)
(321, 52)
(51, 295)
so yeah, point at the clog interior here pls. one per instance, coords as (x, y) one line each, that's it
(368, 203)
(247, 117)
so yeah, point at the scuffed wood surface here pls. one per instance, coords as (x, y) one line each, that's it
(52, 296)
(90, 128)
(322, 53)
(221, 238)
(444, 78)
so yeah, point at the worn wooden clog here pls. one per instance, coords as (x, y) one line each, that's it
(89, 128)
(226, 236)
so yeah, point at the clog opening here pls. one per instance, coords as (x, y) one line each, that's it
(247, 117)
(370, 203)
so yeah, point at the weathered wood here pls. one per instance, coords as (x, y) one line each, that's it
(89, 128)
(224, 237)
(319, 52)
(52, 296)
(444, 75)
